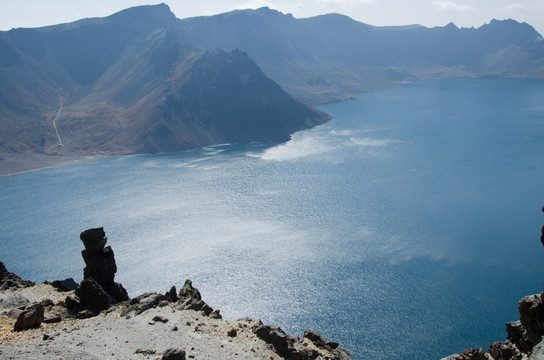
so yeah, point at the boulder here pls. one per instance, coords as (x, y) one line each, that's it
(188, 291)
(63, 285)
(332, 347)
(47, 303)
(73, 305)
(9, 280)
(517, 335)
(117, 291)
(190, 299)
(92, 295)
(531, 315)
(194, 304)
(174, 354)
(160, 318)
(504, 350)
(216, 314)
(143, 302)
(94, 240)
(145, 352)
(284, 344)
(30, 318)
(172, 294)
(317, 339)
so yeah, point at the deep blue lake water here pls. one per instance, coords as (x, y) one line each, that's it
(407, 227)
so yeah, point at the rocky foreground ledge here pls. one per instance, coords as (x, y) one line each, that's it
(97, 320)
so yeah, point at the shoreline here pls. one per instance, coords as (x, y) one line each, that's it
(14, 164)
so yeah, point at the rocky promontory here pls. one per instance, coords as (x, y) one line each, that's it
(96, 319)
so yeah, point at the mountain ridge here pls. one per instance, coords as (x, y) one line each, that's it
(114, 75)
(352, 57)
(123, 80)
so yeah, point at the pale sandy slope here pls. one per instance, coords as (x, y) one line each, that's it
(111, 336)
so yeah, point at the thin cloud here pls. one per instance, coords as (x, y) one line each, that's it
(345, 2)
(253, 4)
(513, 8)
(450, 6)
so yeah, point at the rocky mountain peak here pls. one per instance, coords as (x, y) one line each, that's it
(157, 14)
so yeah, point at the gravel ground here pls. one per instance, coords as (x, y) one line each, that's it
(111, 336)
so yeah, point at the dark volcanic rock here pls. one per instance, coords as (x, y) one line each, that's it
(101, 268)
(30, 318)
(160, 318)
(143, 302)
(145, 352)
(317, 339)
(47, 302)
(504, 350)
(9, 280)
(284, 344)
(190, 299)
(172, 294)
(73, 305)
(473, 354)
(518, 336)
(93, 295)
(99, 260)
(174, 354)
(188, 291)
(333, 347)
(531, 315)
(63, 285)
(216, 314)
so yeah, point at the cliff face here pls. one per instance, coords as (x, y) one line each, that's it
(128, 83)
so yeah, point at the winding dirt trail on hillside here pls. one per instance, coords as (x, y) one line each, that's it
(56, 118)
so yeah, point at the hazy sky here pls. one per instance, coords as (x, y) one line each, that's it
(464, 13)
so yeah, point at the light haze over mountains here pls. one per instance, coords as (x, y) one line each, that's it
(142, 80)
(430, 13)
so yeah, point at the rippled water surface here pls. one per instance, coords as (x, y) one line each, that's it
(405, 228)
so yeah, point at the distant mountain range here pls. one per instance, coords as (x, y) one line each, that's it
(142, 81)
(332, 56)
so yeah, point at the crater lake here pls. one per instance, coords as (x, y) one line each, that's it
(408, 227)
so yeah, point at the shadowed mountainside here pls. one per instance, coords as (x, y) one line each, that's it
(142, 81)
(129, 84)
(329, 57)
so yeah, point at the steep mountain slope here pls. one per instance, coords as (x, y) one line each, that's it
(128, 83)
(143, 81)
(330, 56)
